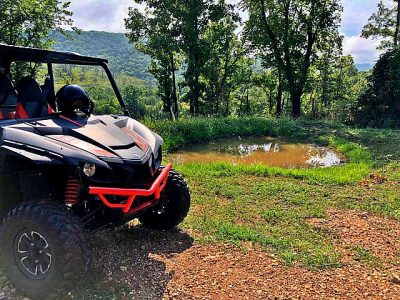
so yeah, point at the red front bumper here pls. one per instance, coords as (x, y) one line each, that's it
(131, 194)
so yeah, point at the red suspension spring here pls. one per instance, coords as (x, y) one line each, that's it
(72, 190)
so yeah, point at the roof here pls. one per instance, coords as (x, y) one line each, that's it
(24, 54)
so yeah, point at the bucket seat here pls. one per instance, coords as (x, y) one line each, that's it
(31, 102)
(8, 96)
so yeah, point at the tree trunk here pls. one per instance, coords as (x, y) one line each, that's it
(296, 94)
(313, 106)
(271, 102)
(396, 34)
(279, 96)
(227, 112)
(175, 108)
(196, 91)
(247, 101)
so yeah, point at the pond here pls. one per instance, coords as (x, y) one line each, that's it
(266, 150)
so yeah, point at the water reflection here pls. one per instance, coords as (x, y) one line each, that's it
(268, 151)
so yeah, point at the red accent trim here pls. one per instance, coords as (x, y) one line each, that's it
(72, 121)
(1, 115)
(138, 139)
(158, 185)
(20, 112)
(50, 110)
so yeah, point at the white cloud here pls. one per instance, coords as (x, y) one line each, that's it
(355, 15)
(108, 15)
(102, 15)
(363, 51)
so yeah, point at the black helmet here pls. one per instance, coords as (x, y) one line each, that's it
(71, 98)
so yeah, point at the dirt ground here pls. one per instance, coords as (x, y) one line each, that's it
(139, 264)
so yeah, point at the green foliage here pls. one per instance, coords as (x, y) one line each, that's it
(133, 97)
(226, 74)
(140, 96)
(28, 22)
(333, 89)
(189, 131)
(379, 106)
(198, 40)
(153, 33)
(115, 47)
(288, 35)
(384, 25)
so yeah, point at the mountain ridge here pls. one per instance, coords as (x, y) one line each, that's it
(123, 57)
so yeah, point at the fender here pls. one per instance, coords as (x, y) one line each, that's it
(37, 156)
(41, 149)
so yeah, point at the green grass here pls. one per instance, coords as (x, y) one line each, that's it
(269, 207)
(190, 131)
(365, 256)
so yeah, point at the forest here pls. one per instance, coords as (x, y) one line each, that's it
(215, 58)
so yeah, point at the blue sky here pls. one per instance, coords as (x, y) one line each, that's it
(108, 15)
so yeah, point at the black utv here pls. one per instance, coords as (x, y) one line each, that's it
(66, 173)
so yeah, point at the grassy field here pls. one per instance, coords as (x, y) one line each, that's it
(255, 205)
(281, 232)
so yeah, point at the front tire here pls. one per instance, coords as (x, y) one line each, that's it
(43, 249)
(173, 207)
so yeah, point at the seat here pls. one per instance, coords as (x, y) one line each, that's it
(31, 102)
(8, 96)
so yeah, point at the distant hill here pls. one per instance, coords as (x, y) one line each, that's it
(364, 67)
(115, 47)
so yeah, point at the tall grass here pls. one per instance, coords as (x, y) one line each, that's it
(190, 131)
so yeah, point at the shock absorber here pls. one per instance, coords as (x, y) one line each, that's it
(72, 191)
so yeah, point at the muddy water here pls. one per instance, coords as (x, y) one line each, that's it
(267, 151)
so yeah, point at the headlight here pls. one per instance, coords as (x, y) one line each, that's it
(89, 169)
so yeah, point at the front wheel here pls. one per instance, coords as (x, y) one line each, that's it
(43, 249)
(173, 207)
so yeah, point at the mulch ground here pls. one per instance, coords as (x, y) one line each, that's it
(140, 264)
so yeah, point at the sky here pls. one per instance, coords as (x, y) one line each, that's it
(108, 15)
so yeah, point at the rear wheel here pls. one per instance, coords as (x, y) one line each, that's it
(43, 249)
(173, 207)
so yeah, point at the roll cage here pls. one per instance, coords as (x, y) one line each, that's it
(10, 54)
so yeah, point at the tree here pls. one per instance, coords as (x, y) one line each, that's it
(133, 96)
(289, 34)
(28, 23)
(226, 66)
(347, 86)
(379, 106)
(193, 18)
(385, 25)
(154, 33)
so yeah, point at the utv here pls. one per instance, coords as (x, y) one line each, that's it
(66, 173)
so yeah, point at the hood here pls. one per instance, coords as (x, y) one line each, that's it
(109, 138)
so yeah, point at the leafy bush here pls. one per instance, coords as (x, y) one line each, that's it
(379, 106)
(190, 131)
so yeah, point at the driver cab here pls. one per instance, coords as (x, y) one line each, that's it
(25, 100)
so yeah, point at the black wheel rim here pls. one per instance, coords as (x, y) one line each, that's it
(32, 254)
